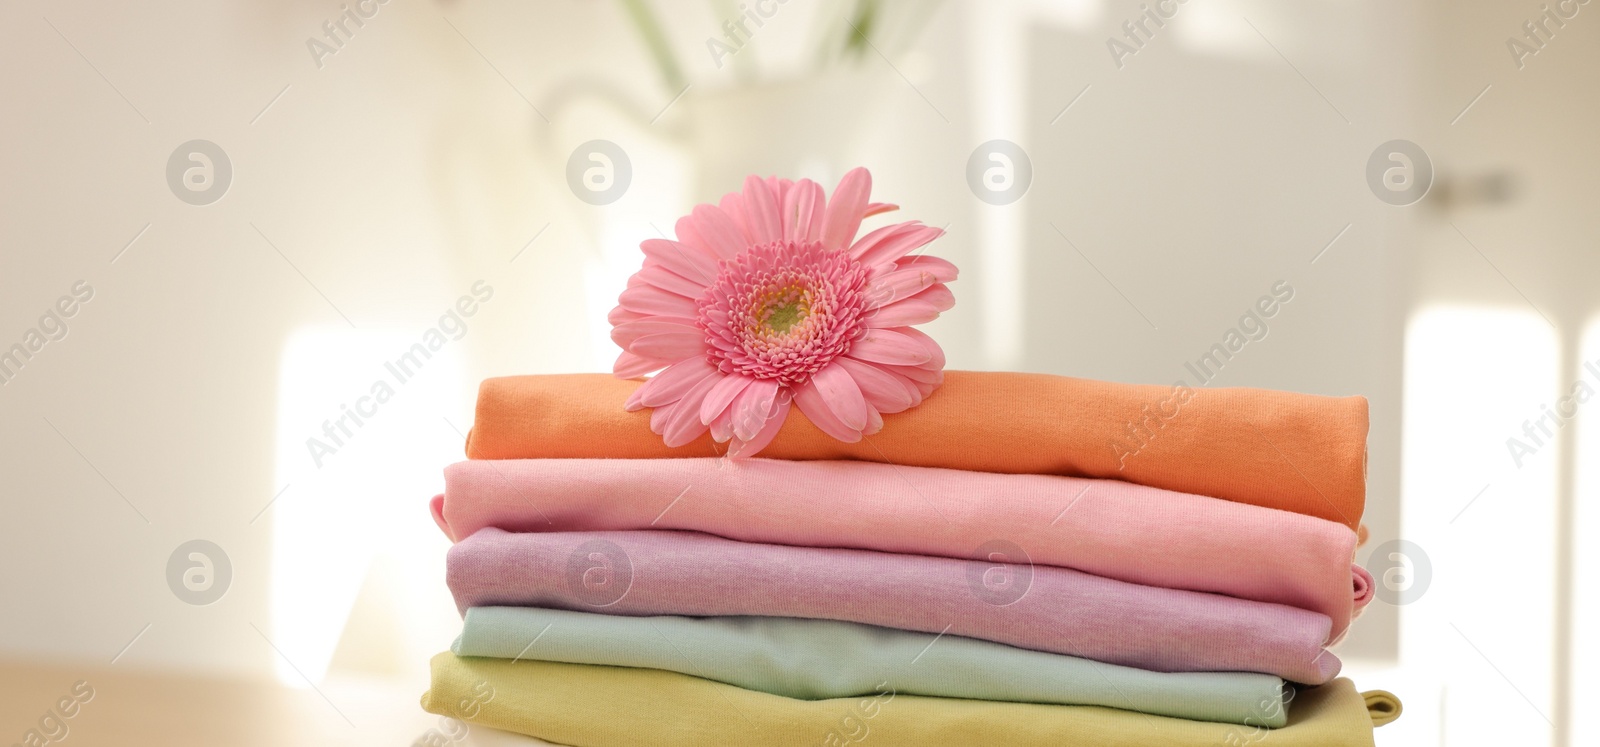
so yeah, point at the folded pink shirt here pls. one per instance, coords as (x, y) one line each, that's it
(1035, 607)
(1109, 528)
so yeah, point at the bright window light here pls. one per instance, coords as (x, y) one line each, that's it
(1482, 508)
(1586, 557)
(999, 74)
(361, 438)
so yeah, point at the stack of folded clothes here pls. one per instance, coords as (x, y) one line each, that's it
(816, 535)
(972, 574)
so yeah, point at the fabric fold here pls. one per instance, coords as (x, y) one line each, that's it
(821, 659)
(999, 598)
(600, 706)
(1382, 706)
(1109, 528)
(1295, 452)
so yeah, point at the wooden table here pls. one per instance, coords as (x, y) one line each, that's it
(129, 708)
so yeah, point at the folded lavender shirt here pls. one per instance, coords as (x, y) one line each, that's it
(1035, 607)
(1106, 527)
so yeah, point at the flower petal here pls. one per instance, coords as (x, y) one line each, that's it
(891, 347)
(809, 209)
(762, 220)
(683, 426)
(935, 353)
(722, 427)
(645, 299)
(884, 391)
(659, 417)
(898, 286)
(942, 269)
(780, 194)
(843, 395)
(815, 407)
(721, 396)
(747, 447)
(681, 258)
(874, 422)
(753, 407)
(670, 385)
(669, 281)
(790, 211)
(630, 366)
(619, 315)
(913, 388)
(719, 231)
(670, 346)
(902, 314)
(939, 296)
(879, 235)
(878, 208)
(625, 333)
(893, 247)
(688, 232)
(845, 209)
(732, 205)
(918, 375)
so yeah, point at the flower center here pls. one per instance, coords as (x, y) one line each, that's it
(785, 307)
(783, 310)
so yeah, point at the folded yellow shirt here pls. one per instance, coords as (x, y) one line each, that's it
(598, 706)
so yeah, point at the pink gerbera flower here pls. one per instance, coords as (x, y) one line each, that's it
(768, 300)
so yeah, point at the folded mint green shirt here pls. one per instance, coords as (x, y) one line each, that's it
(819, 659)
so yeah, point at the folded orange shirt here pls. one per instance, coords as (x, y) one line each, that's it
(1295, 452)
